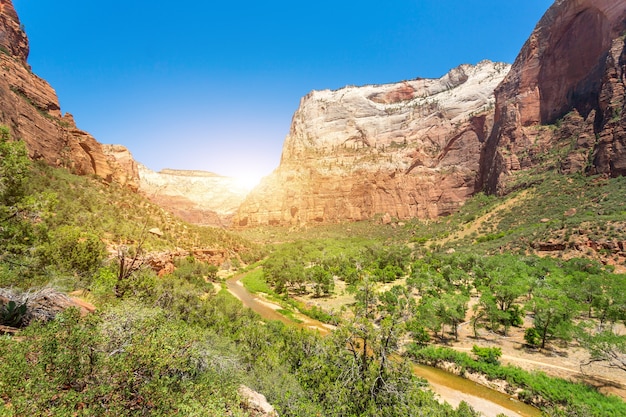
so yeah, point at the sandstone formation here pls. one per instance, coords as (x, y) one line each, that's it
(255, 403)
(197, 197)
(163, 262)
(569, 74)
(403, 150)
(30, 108)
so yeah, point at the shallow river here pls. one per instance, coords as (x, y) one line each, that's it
(449, 387)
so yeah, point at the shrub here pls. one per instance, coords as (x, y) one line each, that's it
(532, 337)
(487, 354)
(71, 250)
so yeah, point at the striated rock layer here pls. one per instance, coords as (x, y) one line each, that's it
(404, 150)
(198, 197)
(30, 108)
(570, 73)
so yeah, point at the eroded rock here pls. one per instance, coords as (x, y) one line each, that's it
(256, 403)
(569, 74)
(30, 108)
(409, 149)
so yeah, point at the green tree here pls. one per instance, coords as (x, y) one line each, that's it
(72, 250)
(322, 280)
(553, 314)
(610, 303)
(446, 309)
(607, 347)
(377, 378)
(16, 232)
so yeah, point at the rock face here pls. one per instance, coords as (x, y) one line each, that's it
(570, 73)
(403, 150)
(30, 108)
(195, 196)
(256, 403)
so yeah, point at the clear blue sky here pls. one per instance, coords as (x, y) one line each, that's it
(213, 85)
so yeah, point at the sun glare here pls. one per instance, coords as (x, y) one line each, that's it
(247, 182)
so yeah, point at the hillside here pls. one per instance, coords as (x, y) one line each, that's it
(374, 228)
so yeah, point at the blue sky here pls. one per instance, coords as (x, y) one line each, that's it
(213, 85)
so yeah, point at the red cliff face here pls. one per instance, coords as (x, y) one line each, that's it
(30, 108)
(572, 64)
(403, 150)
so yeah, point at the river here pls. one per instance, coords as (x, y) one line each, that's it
(451, 388)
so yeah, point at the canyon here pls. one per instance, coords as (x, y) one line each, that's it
(421, 148)
(413, 149)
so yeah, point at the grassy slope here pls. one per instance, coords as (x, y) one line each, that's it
(543, 212)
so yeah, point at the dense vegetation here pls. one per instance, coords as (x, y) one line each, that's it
(158, 346)
(175, 345)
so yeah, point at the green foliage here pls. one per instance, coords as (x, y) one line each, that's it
(16, 208)
(102, 285)
(557, 393)
(131, 361)
(69, 249)
(12, 314)
(487, 354)
(254, 281)
(196, 272)
(14, 169)
(532, 337)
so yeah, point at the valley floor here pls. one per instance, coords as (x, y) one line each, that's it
(554, 361)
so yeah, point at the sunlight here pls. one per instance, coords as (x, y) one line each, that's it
(247, 181)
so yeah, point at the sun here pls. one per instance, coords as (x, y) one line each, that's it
(247, 181)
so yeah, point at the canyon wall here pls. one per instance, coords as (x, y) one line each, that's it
(417, 148)
(403, 150)
(569, 75)
(30, 108)
(421, 148)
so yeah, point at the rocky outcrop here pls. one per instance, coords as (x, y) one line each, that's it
(255, 403)
(125, 170)
(163, 263)
(197, 197)
(570, 74)
(30, 108)
(403, 150)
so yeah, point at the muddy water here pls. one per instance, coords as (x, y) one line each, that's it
(475, 394)
(250, 301)
(451, 388)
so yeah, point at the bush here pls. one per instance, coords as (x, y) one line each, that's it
(71, 250)
(532, 337)
(487, 354)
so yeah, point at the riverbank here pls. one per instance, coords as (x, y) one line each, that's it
(450, 391)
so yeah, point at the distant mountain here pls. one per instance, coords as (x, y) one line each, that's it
(198, 197)
(409, 149)
(421, 148)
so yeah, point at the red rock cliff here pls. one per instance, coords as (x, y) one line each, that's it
(403, 150)
(571, 68)
(30, 108)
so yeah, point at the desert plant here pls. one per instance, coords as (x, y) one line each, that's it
(12, 314)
